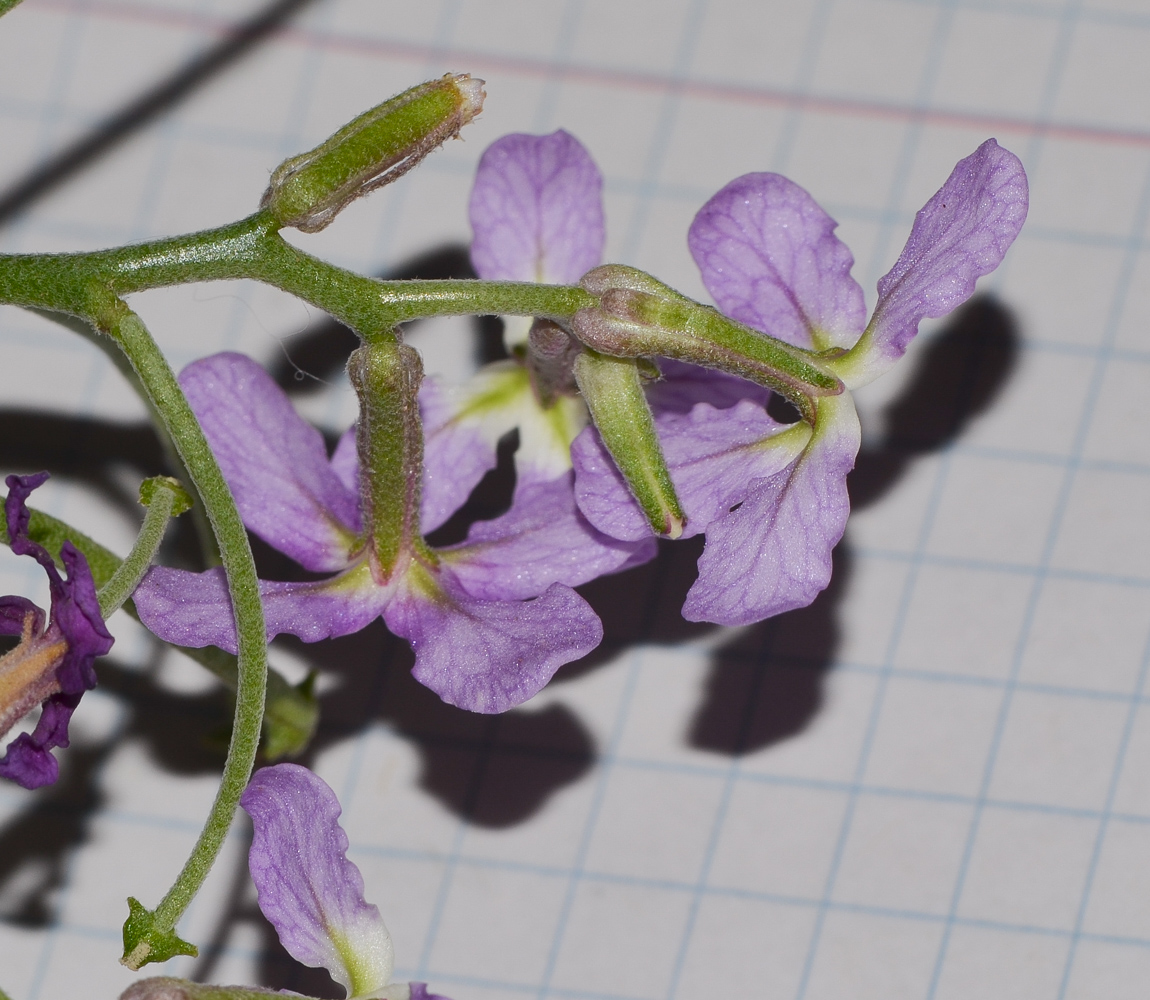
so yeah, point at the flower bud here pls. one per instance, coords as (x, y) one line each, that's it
(309, 190)
(638, 316)
(389, 439)
(550, 356)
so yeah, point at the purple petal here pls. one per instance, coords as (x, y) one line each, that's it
(773, 553)
(714, 457)
(419, 991)
(193, 609)
(75, 611)
(29, 761)
(962, 233)
(274, 462)
(536, 210)
(307, 888)
(458, 446)
(543, 539)
(769, 257)
(684, 385)
(488, 656)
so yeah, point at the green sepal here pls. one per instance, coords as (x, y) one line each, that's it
(182, 500)
(144, 942)
(613, 391)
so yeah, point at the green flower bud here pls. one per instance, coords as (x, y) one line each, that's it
(309, 190)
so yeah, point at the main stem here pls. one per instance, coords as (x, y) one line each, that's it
(253, 248)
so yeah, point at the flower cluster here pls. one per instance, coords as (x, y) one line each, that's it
(51, 666)
(492, 618)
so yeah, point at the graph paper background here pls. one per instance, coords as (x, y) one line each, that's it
(934, 783)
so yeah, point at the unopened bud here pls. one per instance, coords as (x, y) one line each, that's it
(551, 354)
(309, 190)
(389, 439)
(638, 316)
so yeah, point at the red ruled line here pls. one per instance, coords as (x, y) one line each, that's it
(477, 61)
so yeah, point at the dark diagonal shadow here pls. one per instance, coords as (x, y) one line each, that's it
(158, 99)
(767, 685)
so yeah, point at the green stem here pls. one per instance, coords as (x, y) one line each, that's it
(131, 571)
(168, 399)
(253, 248)
(5, 6)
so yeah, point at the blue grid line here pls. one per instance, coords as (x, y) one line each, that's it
(749, 895)
(1121, 288)
(560, 53)
(593, 811)
(1125, 19)
(1105, 818)
(1012, 569)
(664, 127)
(804, 77)
(924, 88)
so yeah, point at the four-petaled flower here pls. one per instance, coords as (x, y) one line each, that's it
(490, 620)
(772, 497)
(51, 666)
(494, 619)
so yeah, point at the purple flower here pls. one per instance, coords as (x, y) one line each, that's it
(51, 666)
(308, 889)
(772, 498)
(537, 215)
(490, 620)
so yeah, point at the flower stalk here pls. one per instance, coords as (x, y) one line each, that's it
(164, 498)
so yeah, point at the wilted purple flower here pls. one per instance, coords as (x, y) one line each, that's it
(490, 620)
(51, 666)
(772, 498)
(308, 889)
